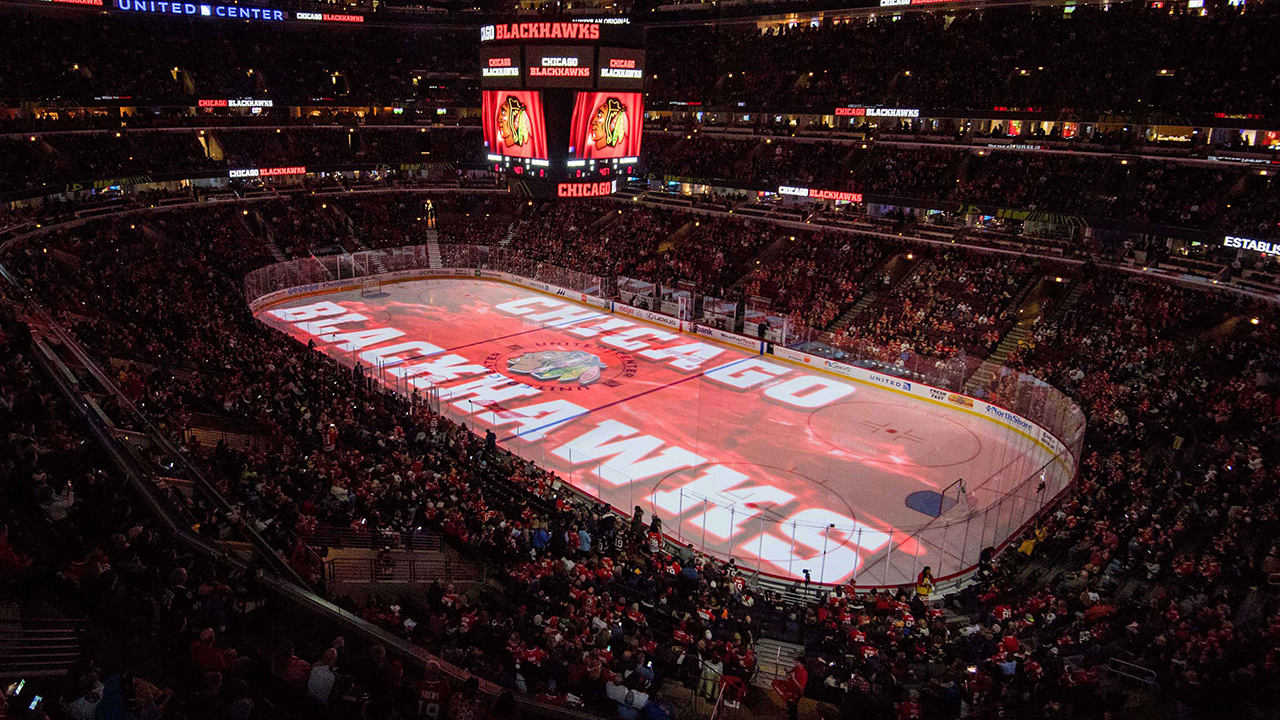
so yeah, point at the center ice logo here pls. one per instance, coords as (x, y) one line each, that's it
(562, 365)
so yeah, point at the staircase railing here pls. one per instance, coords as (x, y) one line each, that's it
(159, 440)
(402, 568)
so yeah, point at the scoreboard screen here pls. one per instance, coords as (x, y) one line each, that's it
(500, 67)
(514, 124)
(621, 69)
(606, 125)
(559, 66)
(563, 105)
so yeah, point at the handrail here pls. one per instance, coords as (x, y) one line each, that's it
(336, 537)
(400, 567)
(409, 651)
(1133, 671)
(150, 492)
(157, 437)
(286, 583)
(285, 586)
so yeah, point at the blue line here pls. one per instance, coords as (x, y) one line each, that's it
(628, 398)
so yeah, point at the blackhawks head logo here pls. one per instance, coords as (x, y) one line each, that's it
(513, 122)
(563, 365)
(609, 124)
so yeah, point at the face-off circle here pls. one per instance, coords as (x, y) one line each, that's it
(675, 506)
(563, 366)
(889, 433)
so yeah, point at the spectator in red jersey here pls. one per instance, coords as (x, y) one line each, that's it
(289, 668)
(433, 693)
(910, 708)
(207, 656)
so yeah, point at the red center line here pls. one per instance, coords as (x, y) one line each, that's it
(619, 401)
(505, 337)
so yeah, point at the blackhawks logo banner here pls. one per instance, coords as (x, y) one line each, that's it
(606, 125)
(514, 124)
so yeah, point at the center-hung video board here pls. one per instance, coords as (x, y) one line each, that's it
(562, 104)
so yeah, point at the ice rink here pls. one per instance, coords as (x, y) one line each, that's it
(783, 466)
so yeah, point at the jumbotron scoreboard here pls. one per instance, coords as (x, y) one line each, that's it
(563, 105)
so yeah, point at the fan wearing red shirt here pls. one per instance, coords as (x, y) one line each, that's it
(910, 709)
(433, 693)
(1009, 644)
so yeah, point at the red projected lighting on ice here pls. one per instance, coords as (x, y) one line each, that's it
(608, 396)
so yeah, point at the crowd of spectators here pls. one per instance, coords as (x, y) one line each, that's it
(115, 56)
(1128, 57)
(712, 254)
(599, 613)
(599, 238)
(1159, 561)
(951, 304)
(1127, 189)
(698, 157)
(29, 161)
(1184, 194)
(818, 277)
(1158, 558)
(76, 538)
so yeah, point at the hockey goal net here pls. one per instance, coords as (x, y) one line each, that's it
(370, 286)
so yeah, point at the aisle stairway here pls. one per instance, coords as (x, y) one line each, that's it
(45, 647)
(513, 230)
(774, 659)
(899, 267)
(872, 277)
(1020, 333)
(208, 430)
(376, 261)
(265, 234)
(433, 249)
(986, 372)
